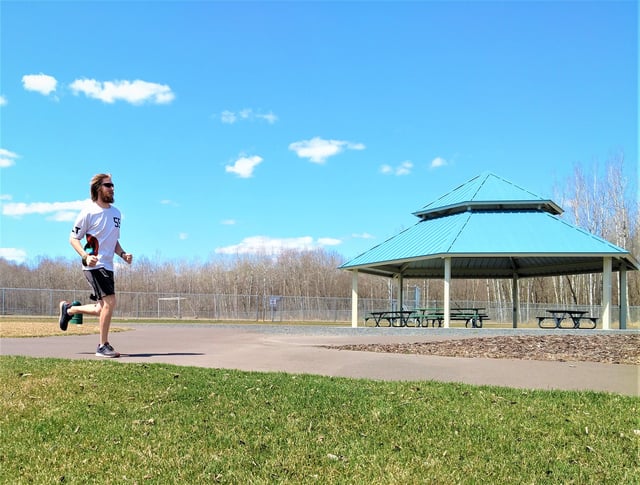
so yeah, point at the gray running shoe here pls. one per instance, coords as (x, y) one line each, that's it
(64, 315)
(106, 350)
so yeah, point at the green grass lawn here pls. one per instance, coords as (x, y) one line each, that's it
(65, 421)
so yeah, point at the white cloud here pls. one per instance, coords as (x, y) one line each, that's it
(264, 245)
(228, 117)
(243, 167)
(317, 150)
(13, 254)
(329, 241)
(63, 216)
(41, 83)
(269, 117)
(364, 235)
(62, 211)
(228, 222)
(3, 101)
(7, 158)
(134, 92)
(403, 169)
(183, 236)
(438, 162)
(247, 114)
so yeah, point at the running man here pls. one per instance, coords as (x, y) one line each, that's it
(99, 223)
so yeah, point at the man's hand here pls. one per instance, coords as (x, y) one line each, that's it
(90, 260)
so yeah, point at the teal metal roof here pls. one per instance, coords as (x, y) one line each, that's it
(490, 228)
(486, 191)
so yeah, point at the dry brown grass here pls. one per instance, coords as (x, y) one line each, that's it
(11, 327)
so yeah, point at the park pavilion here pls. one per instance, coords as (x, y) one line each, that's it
(489, 227)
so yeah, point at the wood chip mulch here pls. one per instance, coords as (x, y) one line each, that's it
(606, 349)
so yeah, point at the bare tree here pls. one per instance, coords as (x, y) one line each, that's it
(607, 206)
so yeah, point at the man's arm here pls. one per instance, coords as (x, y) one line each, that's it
(127, 257)
(77, 245)
(87, 259)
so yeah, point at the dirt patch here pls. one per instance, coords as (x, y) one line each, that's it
(607, 349)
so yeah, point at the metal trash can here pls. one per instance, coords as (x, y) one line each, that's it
(77, 318)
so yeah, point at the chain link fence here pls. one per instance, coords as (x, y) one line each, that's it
(260, 308)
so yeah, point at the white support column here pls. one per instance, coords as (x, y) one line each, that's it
(606, 293)
(624, 298)
(515, 299)
(447, 294)
(354, 299)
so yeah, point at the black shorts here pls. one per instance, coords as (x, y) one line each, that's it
(101, 281)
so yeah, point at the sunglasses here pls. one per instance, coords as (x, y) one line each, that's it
(108, 185)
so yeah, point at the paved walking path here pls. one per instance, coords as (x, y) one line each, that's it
(298, 349)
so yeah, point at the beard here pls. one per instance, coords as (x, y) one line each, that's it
(108, 198)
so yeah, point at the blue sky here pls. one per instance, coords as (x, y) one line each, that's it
(239, 128)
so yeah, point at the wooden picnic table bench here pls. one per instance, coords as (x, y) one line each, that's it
(473, 316)
(575, 317)
(395, 318)
(425, 315)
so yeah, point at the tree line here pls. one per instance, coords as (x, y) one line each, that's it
(601, 202)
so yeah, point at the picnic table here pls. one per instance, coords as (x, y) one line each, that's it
(470, 315)
(395, 318)
(575, 317)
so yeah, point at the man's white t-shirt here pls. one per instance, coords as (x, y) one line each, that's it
(102, 224)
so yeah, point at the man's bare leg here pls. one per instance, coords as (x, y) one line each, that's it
(90, 309)
(67, 311)
(106, 312)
